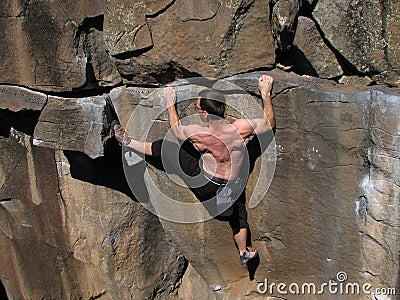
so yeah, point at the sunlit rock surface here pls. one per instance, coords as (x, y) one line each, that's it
(73, 217)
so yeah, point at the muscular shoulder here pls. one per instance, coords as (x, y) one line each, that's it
(244, 127)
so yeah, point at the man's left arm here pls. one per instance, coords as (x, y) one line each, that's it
(174, 121)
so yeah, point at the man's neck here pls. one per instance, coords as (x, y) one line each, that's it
(215, 123)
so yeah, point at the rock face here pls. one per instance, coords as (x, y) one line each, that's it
(82, 132)
(284, 20)
(365, 33)
(315, 55)
(58, 241)
(336, 171)
(77, 214)
(97, 44)
(210, 39)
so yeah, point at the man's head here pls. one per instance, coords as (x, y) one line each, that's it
(212, 102)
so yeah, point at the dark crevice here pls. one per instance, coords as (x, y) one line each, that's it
(131, 54)
(3, 292)
(6, 199)
(105, 171)
(23, 121)
(260, 69)
(173, 72)
(83, 92)
(156, 14)
(91, 83)
(88, 23)
(307, 8)
(299, 62)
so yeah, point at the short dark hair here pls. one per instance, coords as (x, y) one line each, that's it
(213, 102)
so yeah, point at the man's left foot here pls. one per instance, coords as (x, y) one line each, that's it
(247, 255)
(120, 134)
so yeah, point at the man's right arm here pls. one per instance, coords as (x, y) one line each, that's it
(249, 127)
(265, 83)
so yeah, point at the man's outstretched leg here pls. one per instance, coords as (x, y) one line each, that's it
(240, 228)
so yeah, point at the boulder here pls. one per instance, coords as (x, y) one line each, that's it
(73, 124)
(284, 22)
(364, 32)
(15, 99)
(322, 146)
(126, 28)
(44, 36)
(314, 51)
(210, 39)
(327, 208)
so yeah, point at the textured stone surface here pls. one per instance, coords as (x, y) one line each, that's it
(58, 241)
(381, 187)
(322, 142)
(284, 20)
(320, 58)
(72, 124)
(17, 98)
(126, 24)
(65, 46)
(365, 33)
(185, 43)
(329, 208)
(42, 36)
(70, 227)
(100, 69)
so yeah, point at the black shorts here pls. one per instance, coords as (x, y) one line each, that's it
(184, 161)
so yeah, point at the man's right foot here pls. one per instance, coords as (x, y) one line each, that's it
(120, 134)
(247, 255)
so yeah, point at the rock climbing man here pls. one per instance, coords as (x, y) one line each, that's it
(220, 152)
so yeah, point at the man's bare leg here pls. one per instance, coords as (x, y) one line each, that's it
(241, 239)
(246, 253)
(142, 147)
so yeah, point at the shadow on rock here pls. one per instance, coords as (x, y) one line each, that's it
(105, 171)
(252, 266)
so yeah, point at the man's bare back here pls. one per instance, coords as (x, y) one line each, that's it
(221, 147)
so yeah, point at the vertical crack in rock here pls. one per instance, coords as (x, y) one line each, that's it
(100, 70)
(384, 7)
(22, 14)
(284, 22)
(82, 39)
